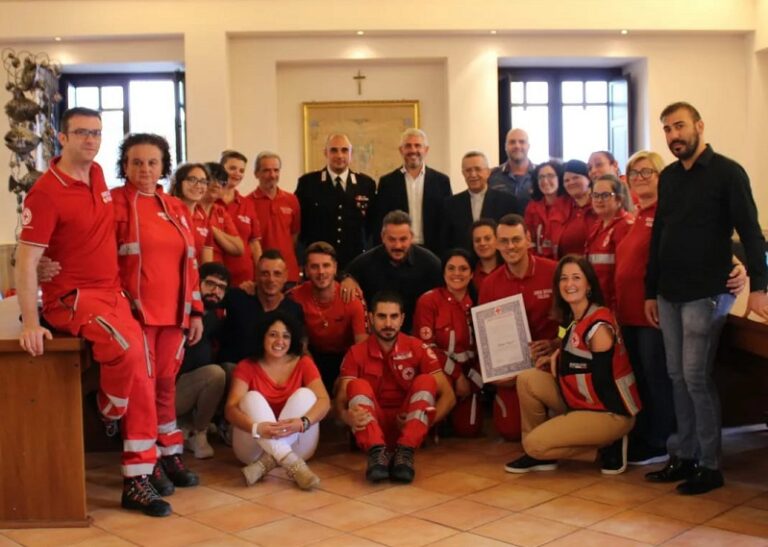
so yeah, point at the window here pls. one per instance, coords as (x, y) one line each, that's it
(567, 113)
(130, 103)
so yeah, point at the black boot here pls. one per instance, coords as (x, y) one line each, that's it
(179, 473)
(378, 463)
(702, 481)
(160, 481)
(677, 469)
(138, 493)
(402, 465)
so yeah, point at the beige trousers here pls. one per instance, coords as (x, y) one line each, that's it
(576, 435)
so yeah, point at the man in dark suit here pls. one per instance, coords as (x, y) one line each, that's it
(477, 201)
(415, 189)
(336, 203)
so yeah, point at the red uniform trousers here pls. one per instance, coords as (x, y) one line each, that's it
(418, 407)
(103, 318)
(467, 416)
(165, 346)
(506, 413)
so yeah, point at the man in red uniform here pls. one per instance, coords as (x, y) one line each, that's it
(390, 391)
(69, 215)
(529, 275)
(332, 325)
(278, 212)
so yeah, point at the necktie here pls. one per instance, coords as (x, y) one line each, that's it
(338, 186)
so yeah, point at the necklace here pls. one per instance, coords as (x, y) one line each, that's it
(320, 307)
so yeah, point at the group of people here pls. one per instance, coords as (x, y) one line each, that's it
(203, 304)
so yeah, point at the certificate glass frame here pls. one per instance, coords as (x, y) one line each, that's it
(502, 336)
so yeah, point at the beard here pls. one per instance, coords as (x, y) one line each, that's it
(690, 147)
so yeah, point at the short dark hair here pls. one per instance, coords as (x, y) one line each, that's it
(392, 297)
(536, 193)
(216, 269)
(135, 139)
(321, 248)
(396, 217)
(560, 308)
(271, 254)
(674, 107)
(181, 173)
(512, 219)
(270, 318)
(458, 251)
(217, 171)
(492, 224)
(76, 111)
(232, 154)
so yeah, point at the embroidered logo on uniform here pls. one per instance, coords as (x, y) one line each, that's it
(649, 222)
(244, 219)
(202, 231)
(106, 196)
(26, 216)
(401, 356)
(542, 294)
(408, 373)
(286, 210)
(425, 333)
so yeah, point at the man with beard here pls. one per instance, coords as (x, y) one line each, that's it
(516, 174)
(416, 189)
(332, 325)
(702, 198)
(391, 390)
(200, 383)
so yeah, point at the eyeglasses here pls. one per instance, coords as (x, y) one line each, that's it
(603, 195)
(210, 284)
(547, 176)
(195, 180)
(645, 173)
(83, 133)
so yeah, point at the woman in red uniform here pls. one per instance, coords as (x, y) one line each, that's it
(443, 321)
(158, 270)
(611, 205)
(580, 216)
(215, 233)
(275, 403)
(548, 208)
(588, 385)
(484, 246)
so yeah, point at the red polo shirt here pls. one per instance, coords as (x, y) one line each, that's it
(536, 288)
(575, 230)
(331, 327)
(251, 372)
(389, 374)
(280, 220)
(243, 213)
(479, 276)
(631, 262)
(600, 250)
(76, 222)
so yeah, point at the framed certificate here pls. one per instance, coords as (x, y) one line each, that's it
(502, 336)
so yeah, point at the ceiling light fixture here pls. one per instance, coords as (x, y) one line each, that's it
(360, 32)
(57, 38)
(493, 32)
(624, 32)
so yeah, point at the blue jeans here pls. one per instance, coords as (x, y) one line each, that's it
(656, 421)
(691, 332)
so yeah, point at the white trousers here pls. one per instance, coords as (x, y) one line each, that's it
(248, 450)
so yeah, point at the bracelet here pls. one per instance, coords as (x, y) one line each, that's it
(255, 431)
(305, 423)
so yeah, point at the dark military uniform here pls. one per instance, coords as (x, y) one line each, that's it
(339, 217)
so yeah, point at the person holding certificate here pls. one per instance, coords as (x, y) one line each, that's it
(588, 384)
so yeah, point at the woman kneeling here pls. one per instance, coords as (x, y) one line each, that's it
(275, 403)
(588, 384)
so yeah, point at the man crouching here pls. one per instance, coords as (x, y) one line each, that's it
(391, 390)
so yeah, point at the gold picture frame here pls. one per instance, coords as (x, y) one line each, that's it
(373, 127)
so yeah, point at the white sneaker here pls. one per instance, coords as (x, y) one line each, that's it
(198, 444)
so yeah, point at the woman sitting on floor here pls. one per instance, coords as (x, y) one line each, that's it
(275, 403)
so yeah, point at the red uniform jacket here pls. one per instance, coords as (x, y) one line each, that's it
(631, 263)
(129, 250)
(600, 250)
(545, 222)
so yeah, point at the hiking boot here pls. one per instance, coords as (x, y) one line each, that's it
(160, 481)
(402, 465)
(378, 463)
(702, 481)
(677, 469)
(259, 469)
(138, 493)
(614, 457)
(197, 443)
(526, 463)
(299, 471)
(179, 474)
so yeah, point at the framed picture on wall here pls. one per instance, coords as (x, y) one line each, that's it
(374, 127)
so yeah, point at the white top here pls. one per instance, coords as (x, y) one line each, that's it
(415, 189)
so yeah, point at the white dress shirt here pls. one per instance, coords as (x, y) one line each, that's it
(414, 186)
(476, 200)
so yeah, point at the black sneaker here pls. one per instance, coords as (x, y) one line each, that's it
(525, 463)
(378, 463)
(614, 457)
(138, 493)
(179, 474)
(639, 454)
(702, 481)
(402, 465)
(677, 469)
(160, 481)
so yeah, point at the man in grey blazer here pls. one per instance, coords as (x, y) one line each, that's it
(415, 189)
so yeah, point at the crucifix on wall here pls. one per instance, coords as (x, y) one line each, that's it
(359, 78)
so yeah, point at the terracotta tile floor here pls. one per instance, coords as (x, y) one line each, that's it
(461, 497)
